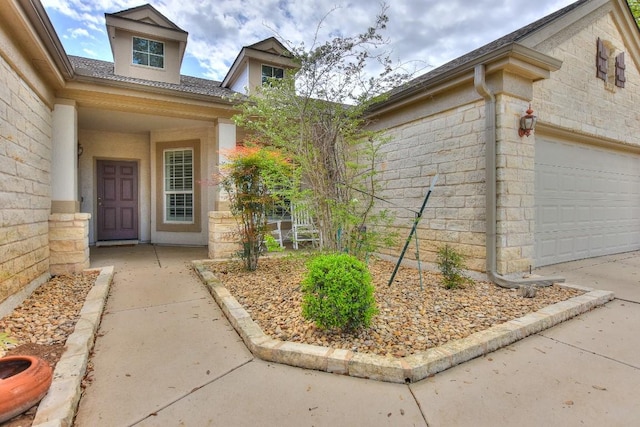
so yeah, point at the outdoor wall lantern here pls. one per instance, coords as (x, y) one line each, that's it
(527, 123)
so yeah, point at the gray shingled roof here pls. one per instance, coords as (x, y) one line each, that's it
(103, 70)
(514, 37)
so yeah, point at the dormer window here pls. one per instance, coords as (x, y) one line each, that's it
(269, 72)
(149, 53)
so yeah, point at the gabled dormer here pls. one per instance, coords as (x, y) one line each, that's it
(256, 63)
(145, 44)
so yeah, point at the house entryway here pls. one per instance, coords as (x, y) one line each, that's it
(117, 202)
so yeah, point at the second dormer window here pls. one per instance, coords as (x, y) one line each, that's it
(269, 72)
(148, 52)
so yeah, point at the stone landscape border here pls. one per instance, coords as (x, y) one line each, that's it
(396, 370)
(58, 407)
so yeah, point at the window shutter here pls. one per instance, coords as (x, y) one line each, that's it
(620, 78)
(602, 57)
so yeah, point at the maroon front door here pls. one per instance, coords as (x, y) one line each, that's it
(117, 200)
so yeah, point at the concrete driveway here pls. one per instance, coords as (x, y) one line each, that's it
(166, 356)
(584, 372)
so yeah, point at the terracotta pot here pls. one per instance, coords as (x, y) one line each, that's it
(24, 380)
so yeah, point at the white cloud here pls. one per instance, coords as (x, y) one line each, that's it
(90, 53)
(79, 32)
(428, 31)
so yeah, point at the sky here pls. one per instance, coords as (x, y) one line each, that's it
(421, 34)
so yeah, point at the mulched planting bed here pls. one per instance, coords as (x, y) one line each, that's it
(41, 325)
(410, 319)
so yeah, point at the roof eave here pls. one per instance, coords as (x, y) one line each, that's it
(44, 28)
(133, 25)
(247, 53)
(512, 57)
(228, 101)
(234, 68)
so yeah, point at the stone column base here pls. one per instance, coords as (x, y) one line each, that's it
(223, 235)
(68, 243)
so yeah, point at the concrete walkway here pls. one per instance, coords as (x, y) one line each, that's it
(166, 356)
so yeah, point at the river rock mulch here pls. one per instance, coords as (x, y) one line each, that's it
(410, 319)
(41, 324)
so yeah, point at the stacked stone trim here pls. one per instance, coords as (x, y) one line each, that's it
(223, 230)
(69, 242)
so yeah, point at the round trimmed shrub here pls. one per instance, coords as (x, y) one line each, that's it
(338, 293)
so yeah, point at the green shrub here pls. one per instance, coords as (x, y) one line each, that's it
(272, 244)
(451, 264)
(338, 293)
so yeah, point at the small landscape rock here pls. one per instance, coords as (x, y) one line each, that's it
(410, 320)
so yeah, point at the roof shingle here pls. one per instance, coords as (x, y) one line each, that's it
(103, 70)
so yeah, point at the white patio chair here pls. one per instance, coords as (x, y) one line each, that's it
(303, 227)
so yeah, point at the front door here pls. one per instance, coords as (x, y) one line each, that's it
(117, 214)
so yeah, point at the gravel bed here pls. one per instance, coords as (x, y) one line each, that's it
(48, 316)
(41, 324)
(410, 319)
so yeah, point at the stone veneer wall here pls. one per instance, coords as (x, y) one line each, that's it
(69, 242)
(25, 153)
(575, 100)
(515, 187)
(223, 229)
(450, 144)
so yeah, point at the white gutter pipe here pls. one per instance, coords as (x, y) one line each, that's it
(479, 80)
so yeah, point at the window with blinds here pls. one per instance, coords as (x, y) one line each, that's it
(178, 186)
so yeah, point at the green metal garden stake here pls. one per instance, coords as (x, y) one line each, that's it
(413, 230)
(418, 258)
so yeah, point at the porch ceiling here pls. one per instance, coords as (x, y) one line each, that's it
(126, 122)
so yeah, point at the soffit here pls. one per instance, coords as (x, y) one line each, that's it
(96, 119)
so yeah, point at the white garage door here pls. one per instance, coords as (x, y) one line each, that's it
(587, 201)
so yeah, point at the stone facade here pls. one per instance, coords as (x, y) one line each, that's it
(575, 100)
(69, 243)
(25, 152)
(515, 178)
(223, 230)
(445, 133)
(449, 144)
(440, 128)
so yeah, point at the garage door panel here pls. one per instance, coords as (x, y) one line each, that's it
(566, 246)
(583, 215)
(588, 201)
(582, 246)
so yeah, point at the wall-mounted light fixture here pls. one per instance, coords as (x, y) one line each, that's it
(527, 123)
(80, 150)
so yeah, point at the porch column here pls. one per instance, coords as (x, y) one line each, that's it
(226, 141)
(68, 228)
(64, 158)
(222, 225)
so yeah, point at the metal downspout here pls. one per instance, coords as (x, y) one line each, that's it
(479, 80)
